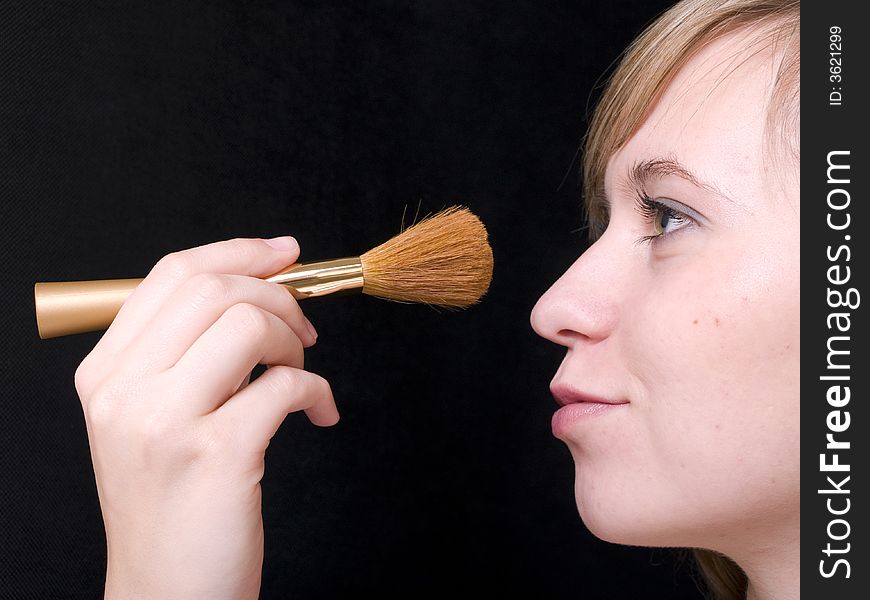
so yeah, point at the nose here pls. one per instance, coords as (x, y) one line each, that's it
(582, 305)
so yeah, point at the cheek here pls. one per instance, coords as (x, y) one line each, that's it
(725, 327)
(714, 349)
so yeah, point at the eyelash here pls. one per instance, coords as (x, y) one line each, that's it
(651, 209)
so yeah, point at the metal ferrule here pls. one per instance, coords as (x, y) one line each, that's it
(321, 278)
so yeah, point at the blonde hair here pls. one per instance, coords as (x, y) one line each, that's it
(657, 54)
(647, 67)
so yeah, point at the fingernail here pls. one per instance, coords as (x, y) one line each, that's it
(284, 242)
(311, 329)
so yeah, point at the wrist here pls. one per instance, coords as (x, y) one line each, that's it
(123, 583)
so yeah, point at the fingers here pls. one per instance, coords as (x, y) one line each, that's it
(242, 256)
(220, 360)
(255, 413)
(197, 305)
(204, 319)
(245, 382)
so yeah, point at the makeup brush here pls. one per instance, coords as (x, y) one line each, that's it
(443, 260)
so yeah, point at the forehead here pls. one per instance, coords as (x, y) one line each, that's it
(711, 117)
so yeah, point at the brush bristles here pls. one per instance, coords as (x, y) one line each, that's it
(444, 260)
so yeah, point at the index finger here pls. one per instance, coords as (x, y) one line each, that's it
(255, 257)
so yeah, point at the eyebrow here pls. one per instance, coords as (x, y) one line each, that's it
(644, 171)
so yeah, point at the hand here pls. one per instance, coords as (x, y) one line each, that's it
(178, 435)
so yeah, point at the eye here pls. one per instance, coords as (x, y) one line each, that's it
(663, 218)
(667, 219)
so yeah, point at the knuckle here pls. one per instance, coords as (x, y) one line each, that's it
(100, 413)
(209, 287)
(325, 387)
(249, 318)
(165, 438)
(156, 434)
(83, 378)
(175, 267)
(245, 249)
(104, 406)
(283, 379)
(323, 391)
(155, 428)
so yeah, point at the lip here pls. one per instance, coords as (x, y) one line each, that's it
(565, 395)
(577, 406)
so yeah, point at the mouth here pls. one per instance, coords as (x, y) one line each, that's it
(565, 395)
(578, 408)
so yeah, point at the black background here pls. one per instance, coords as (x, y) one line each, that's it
(131, 130)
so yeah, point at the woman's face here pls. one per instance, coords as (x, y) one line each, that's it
(695, 332)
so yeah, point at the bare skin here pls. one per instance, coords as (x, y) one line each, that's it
(691, 316)
(178, 434)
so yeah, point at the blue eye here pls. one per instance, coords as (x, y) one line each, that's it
(663, 219)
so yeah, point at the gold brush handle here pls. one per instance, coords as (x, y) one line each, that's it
(68, 307)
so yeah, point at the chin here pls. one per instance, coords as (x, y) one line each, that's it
(601, 515)
(609, 527)
(616, 518)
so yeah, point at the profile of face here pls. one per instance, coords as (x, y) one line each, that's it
(685, 315)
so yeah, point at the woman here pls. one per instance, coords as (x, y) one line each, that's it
(679, 386)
